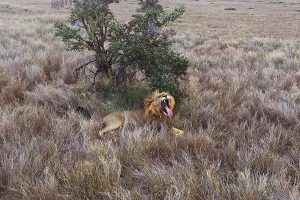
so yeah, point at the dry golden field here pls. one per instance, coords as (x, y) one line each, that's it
(241, 117)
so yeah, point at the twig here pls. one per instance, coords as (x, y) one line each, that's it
(94, 79)
(83, 67)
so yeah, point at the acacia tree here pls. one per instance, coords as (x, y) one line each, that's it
(141, 45)
(88, 29)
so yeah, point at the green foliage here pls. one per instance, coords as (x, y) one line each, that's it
(142, 45)
(146, 5)
(71, 37)
(89, 20)
(88, 29)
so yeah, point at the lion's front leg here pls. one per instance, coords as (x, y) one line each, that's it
(107, 129)
(176, 131)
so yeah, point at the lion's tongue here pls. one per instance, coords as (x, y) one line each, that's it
(169, 112)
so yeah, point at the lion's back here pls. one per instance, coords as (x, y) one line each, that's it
(133, 116)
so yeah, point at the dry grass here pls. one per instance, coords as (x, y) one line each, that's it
(242, 116)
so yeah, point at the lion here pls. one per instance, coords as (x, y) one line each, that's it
(158, 109)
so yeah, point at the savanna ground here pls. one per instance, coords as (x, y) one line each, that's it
(242, 115)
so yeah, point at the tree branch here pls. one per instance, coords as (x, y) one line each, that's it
(94, 79)
(83, 67)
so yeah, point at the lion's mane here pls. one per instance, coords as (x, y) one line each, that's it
(151, 104)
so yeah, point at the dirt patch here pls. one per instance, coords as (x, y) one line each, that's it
(13, 10)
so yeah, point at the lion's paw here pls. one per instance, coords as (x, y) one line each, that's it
(177, 131)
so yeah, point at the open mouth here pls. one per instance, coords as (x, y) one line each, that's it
(165, 105)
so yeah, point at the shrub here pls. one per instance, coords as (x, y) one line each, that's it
(142, 46)
(90, 21)
(149, 4)
(123, 50)
(13, 92)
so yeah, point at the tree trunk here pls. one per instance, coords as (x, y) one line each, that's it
(102, 65)
(119, 77)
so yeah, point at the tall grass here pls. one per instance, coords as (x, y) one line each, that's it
(241, 119)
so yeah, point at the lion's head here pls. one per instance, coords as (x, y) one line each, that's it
(159, 104)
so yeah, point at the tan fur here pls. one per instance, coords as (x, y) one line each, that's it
(152, 113)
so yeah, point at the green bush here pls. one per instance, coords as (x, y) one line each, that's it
(149, 4)
(121, 51)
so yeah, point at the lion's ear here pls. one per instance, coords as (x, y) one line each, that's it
(156, 92)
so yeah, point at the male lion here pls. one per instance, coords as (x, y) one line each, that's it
(158, 108)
